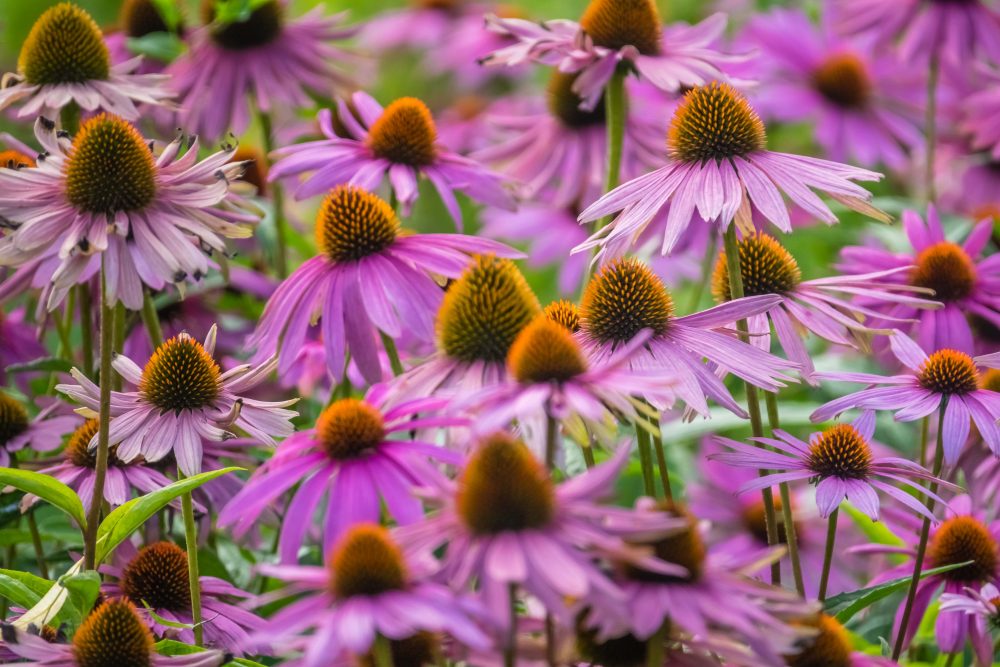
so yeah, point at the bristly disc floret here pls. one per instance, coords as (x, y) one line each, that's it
(110, 168)
(405, 133)
(64, 46)
(964, 538)
(349, 428)
(10, 159)
(830, 647)
(615, 24)
(367, 562)
(353, 223)
(714, 122)
(181, 375)
(504, 487)
(843, 80)
(545, 351)
(158, 576)
(484, 310)
(840, 451)
(766, 268)
(565, 313)
(13, 418)
(564, 104)
(624, 298)
(113, 636)
(78, 451)
(262, 27)
(947, 269)
(949, 372)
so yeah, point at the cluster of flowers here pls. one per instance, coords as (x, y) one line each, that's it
(378, 447)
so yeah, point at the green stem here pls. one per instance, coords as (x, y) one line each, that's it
(101, 464)
(87, 329)
(588, 455)
(118, 341)
(510, 646)
(753, 401)
(707, 262)
(69, 118)
(930, 121)
(831, 537)
(950, 660)
(151, 320)
(655, 656)
(36, 541)
(791, 532)
(382, 652)
(646, 459)
(390, 349)
(191, 542)
(614, 115)
(925, 428)
(550, 641)
(925, 529)
(661, 463)
(551, 440)
(278, 197)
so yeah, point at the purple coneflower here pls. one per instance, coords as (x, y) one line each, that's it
(821, 306)
(354, 459)
(946, 375)
(839, 461)
(180, 398)
(398, 143)
(831, 646)
(156, 580)
(64, 61)
(43, 433)
(369, 281)
(267, 62)
(982, 611)
(137, 19)
(368, 590)
(105, 191)
(113, 634)
(965, 281)
(613, 34)
(20, 342)
(719, 167)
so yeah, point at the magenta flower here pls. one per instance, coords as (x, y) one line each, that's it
(863, 105)
(354, 458)
(64, 61)
(962, 279)
(180, 398)
(368, 589)
(719, 167)
(20, 343)
(398, 143)
(43, 433)
(944, 375)
(268, 62)
(154, 215)
(981, 107)
(839, 461)
(368, 281)
(613, 34)
(982, 611)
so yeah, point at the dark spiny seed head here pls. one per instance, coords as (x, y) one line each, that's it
(405, 133)
(754, 520)
(619, 23)
(624, 298)
(949, 372)
(254, 168)
(419, 650)
(158, 576)
(545, 352)
(840, 451)
(564, 104)
(13, 418)
(139, 18)
(113, 636)
(484, 310)
(714, 122)
(947, 269)
(180, 375)
(14, 160)
(367, 562)
(64, 46)
(504, 487)
(831, 647)
(349, 428)
(110, 168)
(960, 539)
(78, 450)
(262, 27)
(353, 223)
(843, 80)
(564, 313)
(766, 268)
(685, 548)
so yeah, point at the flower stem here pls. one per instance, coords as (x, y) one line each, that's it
(654, 647)
(614, 114)
(661, 463)
(831, 537)
(933, 75)
(510, 647)
(87, 329)
(791, 533)
(101, 464)
(646, 459)
(278, 195)
(707, 262)
(382, 652)
(151, 320)
(588, 455)
(69, 118)
(925, 428)
(390, 349)
(925, 529)
(36, 542)
(551, 440)
(753, 401)
(191, 542)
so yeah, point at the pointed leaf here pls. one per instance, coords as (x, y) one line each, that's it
(19, 593)
(44, 364)
(49, 489)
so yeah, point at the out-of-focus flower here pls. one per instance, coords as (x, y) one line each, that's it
(20, 343)
(137, 19)
(982, 610)
(43, 433)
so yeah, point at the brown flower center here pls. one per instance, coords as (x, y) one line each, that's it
(404, 133)
(755, 520)
(78, 450)
(262, 27)
(158, 577)
(254, 168)
(624, 298)
(840, 451)
(949, 372)
(420, 650)
(843, 80)
(564, 313)
(685, 548)
(960, 539)
(945, 268)
(564, 104)
(349, 428)
(367, 562)
(13, 418)
(180, 375)
(765, 266)
(545, 352)
(353, 223)
(113, 636)
(616, 24)
(64, 46)
(990, 380)
(139, 18)
(830, 648)
(15, 160)
(714, 122)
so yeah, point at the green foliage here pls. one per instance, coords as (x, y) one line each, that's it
(49, 489)
(846, 605)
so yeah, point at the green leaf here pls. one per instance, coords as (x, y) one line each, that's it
(19, 592)
(49, 607)
(48, 489)
(846, 605)
(235, 11)
(169, 12)
(162, 46)
(126, 519)
(164, 621)
(877, 532)
(174, 647)
(44, 364)
(83, 591)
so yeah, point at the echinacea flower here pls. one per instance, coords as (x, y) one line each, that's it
(180, 398)
(397, 143)
(367, 281)
(613, 34)
(105, 191)
(946, 375)
(368, 588)
(625, 297)
(831, 646)
(354, 458)
(113, 634)
(862, 103)
(982, 610)
(268, 61)
(20, 342)
(965, 280)
(64, 61)
(719, 167)
(156, 580)
(980, 109)
(43, 433)
(138, 19)
(839, 461)
(822, 306)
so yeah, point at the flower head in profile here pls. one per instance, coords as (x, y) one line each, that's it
(947, 376)
(368, 588)
(831, 646)
(840, 462)
(113, 634)
(355, 458)
(719, 168)
(613, 34)
(268, 61)
(398, 144)
(64, 61)
(181, 397)
(104, 191)
(367, 281)
(981, 607)
(42, 433)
